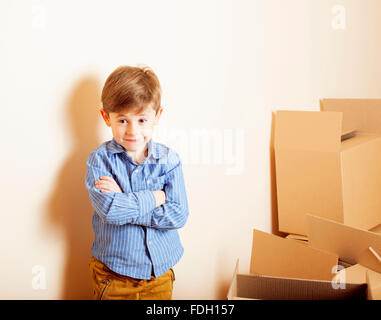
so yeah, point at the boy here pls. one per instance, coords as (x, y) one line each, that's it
(136, 187)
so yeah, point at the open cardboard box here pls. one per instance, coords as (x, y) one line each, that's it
(328, 163)
(260, 287)
(286, 269)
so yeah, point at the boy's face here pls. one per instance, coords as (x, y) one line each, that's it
(132, 131)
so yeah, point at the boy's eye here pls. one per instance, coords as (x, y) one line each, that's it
(123, 121)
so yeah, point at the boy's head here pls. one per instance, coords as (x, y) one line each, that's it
(131, 99)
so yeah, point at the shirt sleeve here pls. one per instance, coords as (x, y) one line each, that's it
(174, 212)
(115, 207)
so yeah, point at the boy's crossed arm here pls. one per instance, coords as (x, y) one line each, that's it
(107, 184)
(159, 209)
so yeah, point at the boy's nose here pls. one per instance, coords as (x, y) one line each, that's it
(131, 128)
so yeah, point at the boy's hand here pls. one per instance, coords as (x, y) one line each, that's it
(107, 185)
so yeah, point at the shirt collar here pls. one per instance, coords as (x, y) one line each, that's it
(153, 149)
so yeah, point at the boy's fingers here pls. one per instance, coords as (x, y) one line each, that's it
(107, 186)
(103, 182)
(107, 181)
(103, 186)
(106, 178)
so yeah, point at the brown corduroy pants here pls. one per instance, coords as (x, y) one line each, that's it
(108, 285)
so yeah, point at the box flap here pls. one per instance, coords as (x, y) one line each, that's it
(361, 176)
(376, 229)
(371, 258)
(300, 239)
(348, 134)
(275, 256)
(353, 274)
(360, 274)
(297, 237)
(373, 280)
(308, 130)
(349, 243)
(233, 285)
(362, 114)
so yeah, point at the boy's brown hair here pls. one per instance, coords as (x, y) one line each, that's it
(131, 88)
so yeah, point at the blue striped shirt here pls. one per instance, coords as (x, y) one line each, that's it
(132, 237)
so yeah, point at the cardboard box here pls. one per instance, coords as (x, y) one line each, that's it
(254, 287)
(328, 164)
(286, 269)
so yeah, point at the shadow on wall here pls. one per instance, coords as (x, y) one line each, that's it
(69, 208)
(222, 283)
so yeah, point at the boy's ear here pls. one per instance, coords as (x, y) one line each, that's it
(105, 117)
(158, 115)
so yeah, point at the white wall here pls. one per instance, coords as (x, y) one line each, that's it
(225, 66)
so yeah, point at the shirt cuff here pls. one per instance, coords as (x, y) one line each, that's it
(123, 208)
(146, 203)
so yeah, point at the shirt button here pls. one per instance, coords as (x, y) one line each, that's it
(150, 242)
(149, 181)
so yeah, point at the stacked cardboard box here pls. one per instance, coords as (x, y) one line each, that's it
(328, 173)
(328, 164)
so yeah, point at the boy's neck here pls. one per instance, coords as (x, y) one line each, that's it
(138, 156)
